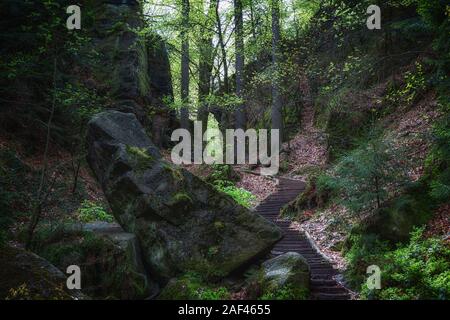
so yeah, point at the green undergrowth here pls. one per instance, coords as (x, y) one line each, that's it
(419, 269)
(223, 178)
(91, 211)
(286, 293)
(192, 286)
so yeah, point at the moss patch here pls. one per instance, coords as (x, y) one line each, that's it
(142, 160)
(174, 172)
(181, 200)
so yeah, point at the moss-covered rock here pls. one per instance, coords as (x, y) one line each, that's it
(26, 276)
(121, 50)
(109, 259)
(397, 218)
(171, 211)
(158, 68)
(285, 277)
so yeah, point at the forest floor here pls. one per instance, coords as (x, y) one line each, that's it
(307, 150)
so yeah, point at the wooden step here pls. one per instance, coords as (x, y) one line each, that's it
(322, 282)
(328, 289)
(331, 296)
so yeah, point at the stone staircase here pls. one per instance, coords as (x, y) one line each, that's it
(323, 285)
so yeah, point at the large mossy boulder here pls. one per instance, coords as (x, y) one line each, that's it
(26, 276)
(285, 277)
(398, 217)
(183, 224)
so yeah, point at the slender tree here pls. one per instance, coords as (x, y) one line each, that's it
(42, 194)
(206, 60)
(277, 108)
(222, 48)
(252, 20)
(240, 117)
(184, 112)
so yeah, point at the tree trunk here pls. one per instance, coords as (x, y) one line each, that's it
(240, 118)
(252, 21)
(184, 112)
(40, 199)
(223, 49)
(205, 67)
(277, 108)
(377, 191)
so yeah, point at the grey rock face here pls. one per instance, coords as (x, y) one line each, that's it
(182, 223)
(135, 68)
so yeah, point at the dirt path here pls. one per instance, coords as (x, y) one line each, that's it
(308, 148)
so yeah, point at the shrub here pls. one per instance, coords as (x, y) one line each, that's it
(365, 178)
(240, 195)
(417, 270)
(365, 250)
(90, 211)
(223, 178)
(415, 84)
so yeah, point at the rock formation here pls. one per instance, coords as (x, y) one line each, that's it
(135, 66)
(109, 258)
(182, 223)
(25, 276)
